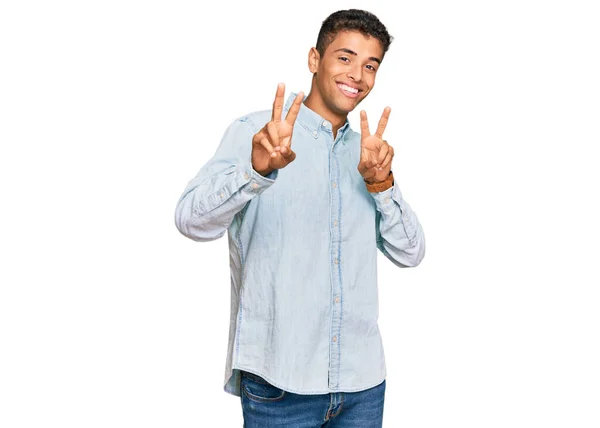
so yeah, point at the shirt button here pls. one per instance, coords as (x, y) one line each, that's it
(335, 222)
(335, 338)
(333, 184)
(255, 185)
(315, 133)
(222, 194)
(246, 176)
(337, 299)
(336, 261)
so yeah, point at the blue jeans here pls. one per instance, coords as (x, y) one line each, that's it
(267, 406)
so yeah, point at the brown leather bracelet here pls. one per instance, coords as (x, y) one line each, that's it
(382, 185)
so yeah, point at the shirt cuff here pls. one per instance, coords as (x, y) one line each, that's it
(383, 200)
(390, 200)
(256, 183)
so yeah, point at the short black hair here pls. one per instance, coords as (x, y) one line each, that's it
(352, 20)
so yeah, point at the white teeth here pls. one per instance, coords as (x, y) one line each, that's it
(348, 88)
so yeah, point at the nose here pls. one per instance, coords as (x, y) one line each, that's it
(355, 73)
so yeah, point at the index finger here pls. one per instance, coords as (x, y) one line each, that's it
(383, 122)
(278, 103)
(292, 113)
(364, 125)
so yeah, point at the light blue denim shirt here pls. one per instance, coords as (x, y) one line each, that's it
(303, 247)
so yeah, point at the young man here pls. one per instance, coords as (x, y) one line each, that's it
(307, 202)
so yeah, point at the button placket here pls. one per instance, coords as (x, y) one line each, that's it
(335, 263)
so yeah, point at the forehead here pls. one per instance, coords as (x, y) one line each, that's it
(365, 46)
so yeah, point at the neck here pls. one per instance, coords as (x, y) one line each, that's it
(315, 102)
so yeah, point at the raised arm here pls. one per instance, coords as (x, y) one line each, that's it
(244, 165)
(399, 234)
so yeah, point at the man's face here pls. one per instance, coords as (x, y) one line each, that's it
(346, 71)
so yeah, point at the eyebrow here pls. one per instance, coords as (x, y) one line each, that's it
(351, 52)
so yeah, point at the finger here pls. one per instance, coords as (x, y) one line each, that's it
(290, 157)
(273, 134)
(268, 147)
(388, 158)
(382, 153)
(364, 166)
(292, 113)
(286, 149)
(364, 125)
(285, 144)
(282, 162)
(383, 122)
(370, 173)
(278, 103)
(386, 161)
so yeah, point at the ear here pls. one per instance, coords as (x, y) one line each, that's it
(313, 60)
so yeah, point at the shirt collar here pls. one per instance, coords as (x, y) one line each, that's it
(312, 121)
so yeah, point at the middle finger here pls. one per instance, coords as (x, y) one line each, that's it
(273, 134)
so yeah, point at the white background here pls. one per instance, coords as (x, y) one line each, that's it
(110, 318)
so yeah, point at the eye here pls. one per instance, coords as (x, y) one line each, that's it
(343, 58)
(372, 68)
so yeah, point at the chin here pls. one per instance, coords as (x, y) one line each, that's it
(351, 109)
(343, 110)
(352, 105)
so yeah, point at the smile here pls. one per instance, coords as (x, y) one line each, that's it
(348, 91)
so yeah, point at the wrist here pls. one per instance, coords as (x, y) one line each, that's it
(263, 172)
(380, 186)
(372, 180)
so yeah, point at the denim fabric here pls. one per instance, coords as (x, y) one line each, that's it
(303, 244)
(266, 406)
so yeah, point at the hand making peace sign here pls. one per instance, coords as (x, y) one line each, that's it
(375, 153)
(272, 145)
